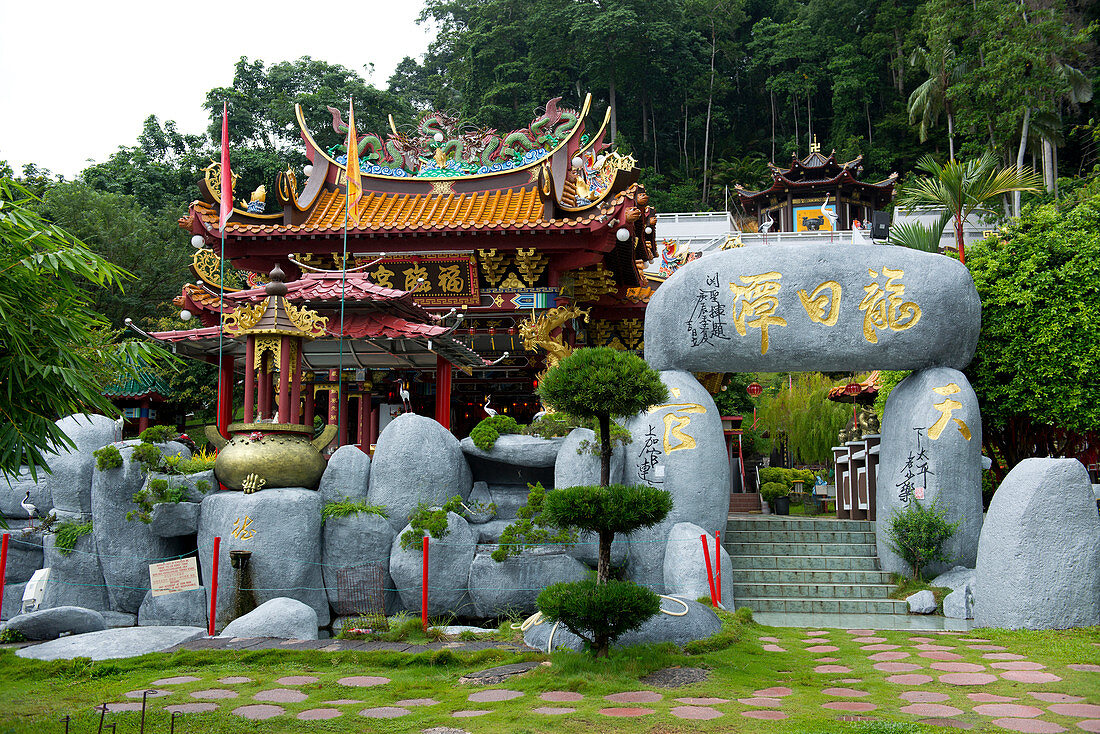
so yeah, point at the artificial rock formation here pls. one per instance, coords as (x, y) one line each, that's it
(280, 617)
(358, 546)
(346, 476)
(449, 560)
(512, 586)
(686, 567)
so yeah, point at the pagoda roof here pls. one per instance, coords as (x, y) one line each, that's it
(329, 287)
(817, 171)
(138, 386)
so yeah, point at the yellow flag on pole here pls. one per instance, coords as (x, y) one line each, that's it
(355, 183)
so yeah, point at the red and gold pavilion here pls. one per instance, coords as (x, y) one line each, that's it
(471, 249)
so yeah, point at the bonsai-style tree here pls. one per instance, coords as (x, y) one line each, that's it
(602, 383)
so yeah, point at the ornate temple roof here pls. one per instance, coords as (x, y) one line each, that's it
(144, 383)
(818, 171)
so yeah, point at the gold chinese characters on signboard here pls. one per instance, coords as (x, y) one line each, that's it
(437, 280)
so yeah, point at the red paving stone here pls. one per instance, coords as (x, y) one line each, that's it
(318, 714)
(898, 655)
(1092, 725)
(695, 713)
(768, 639)
(213, 693)
(234, 680)
(868, 640)
(259, 711)
(1003, 656)
(1084, 667)
(948, 723)
(939, 655)
(967, 679)
(909, 679)
(763, 701)
(850, 680)
(859, 706)
(387, 712)
(774, 692)
(958, 667)
(553, 710)
(363, 681)
(934, 648)
(192, 708)
(296, 680)
(627, 711)
(1017, 665)
(989, 698)
(560, 696)
(634, 697)
(280, 695)
(767, 715)
(177, 680)
(774, 648)
(860, 632)
(817, 633)
(923, 696)
(832, 669)
(1013, 710)
(1054, 697)
(470, 713)
(822, 648)
(1031, 726)
(153, 693)
(405, 703)
(987, 647)
(1078, 710)
(927, 640)
(1030, 676)
(874, 648)
(494, 695)
(845, 692)
(930, 709)
(702, 701)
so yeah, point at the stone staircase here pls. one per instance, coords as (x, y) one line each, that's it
(815, 565)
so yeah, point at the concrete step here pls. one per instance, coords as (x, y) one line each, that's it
(804, 577)
(804, 563)
(800, 549)
(773, 522)
(798, 536)
(745, 502)
(824, 606)
(810, 591)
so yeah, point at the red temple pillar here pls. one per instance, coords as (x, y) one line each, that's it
(364, 419)
(342, 415)
(249, 379)
(263, 409)
(225, 394)
(310, 407)
(443, 392)
(296, 385)
(143, 415)
(374, 424)
(332, 406)
(284, 380)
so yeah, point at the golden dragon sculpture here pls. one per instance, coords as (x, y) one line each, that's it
(536, 333)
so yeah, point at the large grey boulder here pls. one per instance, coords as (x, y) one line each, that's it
(1038, 556)
(957, 578)
(508, 500)
(809, 307)
(49, 624)
(14, 489)
(489, 532)
(484, 509)
(699, 623)
(449, 560)
(357, 547)
(347, 475)
(280, 617)
(959, 604)
(24, 556)
(587, 549)
(678, 446)
(923, 602)
(126, 547)
(577, 465)
(70, 479)
(686, 567)
(282, 529)
(119, 619)
(182, 608)
(416, 460)
(174, 519)
(13, 600)
(109, 644)
(76, 578)
(512, 586)
(934, 451)
(517, 449)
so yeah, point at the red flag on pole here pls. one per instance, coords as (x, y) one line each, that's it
(227, 176)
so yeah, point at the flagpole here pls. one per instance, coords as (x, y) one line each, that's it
(351, 171)
(225, 173)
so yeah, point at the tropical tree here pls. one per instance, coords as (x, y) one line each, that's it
(962, 188)
(928, 100)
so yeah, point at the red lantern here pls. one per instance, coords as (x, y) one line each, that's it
(754, 389)
(853, 389)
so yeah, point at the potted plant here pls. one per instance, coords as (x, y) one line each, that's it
(775, 494)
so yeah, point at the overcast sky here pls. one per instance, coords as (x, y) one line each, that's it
(78, 78)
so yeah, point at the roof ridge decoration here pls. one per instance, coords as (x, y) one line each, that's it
(263, 318)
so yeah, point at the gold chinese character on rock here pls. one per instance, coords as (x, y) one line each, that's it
(759, 298)
(822, 307)
(242, 528)
(946, 408)
(450, 279)
(675, 424)
(413, 274)
(383, 277)
(883, 307)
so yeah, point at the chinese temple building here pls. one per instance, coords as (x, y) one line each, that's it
(816, 194)
(141, 398)
(493, 254)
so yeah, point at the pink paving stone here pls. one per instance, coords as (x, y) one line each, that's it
(178, 680)
(1030, 726)
(946, 722)
(234, 680)
(214, 693)
(817, 633)
(927, 640)
(832, 669)
(280, 695)
(634, 697)
(897, 655)
(627, 711)
(811, 641)
(153, 693)
(876, 648)
(763, 701)
(342, 702)
(930, 709)
(938, 655)
(1003, 656)
(259, 711)
(850, 680)
(1089, 725)
(849, 706)
(767, 715)
(958, 667)
(896, 667)
(192, 708)
(991, 648)
(1013, 710)
(822, 648)
(967, 679)
(923, 696)
(469, 713)
(1055, 697)
(774, 692)
(774, 648)
(826, 660)
(939, 648)
(1078, 710)
(318, 714)
(909, 679)
(390, 712)
(695, 713)
(496, 695)
(868, 640)
(860, 632)
(989, 698)
(363, 681)
(845, 692)
(768, 639)
(553, 710)
(706, 701)
(1084, 667)
(296, 680)
(1017, 665)
(1030, 676)
(414, 702)
(560, 696)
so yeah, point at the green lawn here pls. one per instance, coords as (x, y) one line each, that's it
(36, 695)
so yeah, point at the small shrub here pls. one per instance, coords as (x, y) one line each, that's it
(486, 433)
(467, 636)
(918, 533)
(774, 474)
(426, 519)
(598, 613)
(158, 491)
(202, 486)
(68, 533)
(347, 507)
(157, 434)
(149, 457)
(10, 634)
(529, 529)
(107, 457)
(772, 491)
(201, 461)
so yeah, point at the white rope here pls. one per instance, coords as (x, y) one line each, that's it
(536, 619)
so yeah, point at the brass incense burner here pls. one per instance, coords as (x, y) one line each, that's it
(278, 454)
